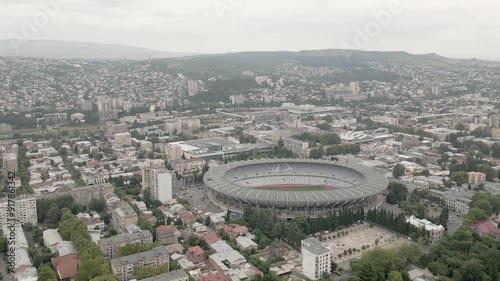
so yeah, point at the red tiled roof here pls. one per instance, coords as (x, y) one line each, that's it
(66, 266)
(165, 229)
(196, 250)
(211, 238)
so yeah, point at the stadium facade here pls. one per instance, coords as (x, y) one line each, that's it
(294, 186)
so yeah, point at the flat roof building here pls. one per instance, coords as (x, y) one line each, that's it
(316, 258)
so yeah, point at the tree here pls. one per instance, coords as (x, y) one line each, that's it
(460, 177)
(443, 218)
(45, 273)
(394, 276)
(398, 171)
(53, 215)
(208, 221)
(460, 127)
(97, 205)
(227, 218)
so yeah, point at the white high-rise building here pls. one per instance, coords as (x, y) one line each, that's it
(23, 209)
(192, 88)
(355, 88)
(161, 185)
(316, 258)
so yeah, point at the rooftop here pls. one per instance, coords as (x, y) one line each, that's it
(144, 256)
(314, 246)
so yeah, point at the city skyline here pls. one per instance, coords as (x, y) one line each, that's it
(455, 29)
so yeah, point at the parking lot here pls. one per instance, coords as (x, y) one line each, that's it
(196, 195)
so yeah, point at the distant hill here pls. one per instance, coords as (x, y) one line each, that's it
(359, 63)
(79, 50)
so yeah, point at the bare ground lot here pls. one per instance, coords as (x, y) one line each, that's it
(360, 237)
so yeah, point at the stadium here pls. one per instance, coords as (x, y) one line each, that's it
(294, 186)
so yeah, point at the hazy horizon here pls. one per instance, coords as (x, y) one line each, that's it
(455, 29)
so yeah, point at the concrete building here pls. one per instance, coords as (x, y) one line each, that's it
(83, 195)
(10, 163)
(167, 234)
(192, 86)
(237, 99)
(246, 243)
(436, 232)
(117, 128)
(123, 215)
(159, 183)
(84, 105)
(109, 246)
(51, 239)
(494, 120)
(225, 261)
(182, 125)
(122, 139)
(316, 258)
(25, 210)
(495, 133)
(147, 167)
(55, 119)
(355, 88)
(476, 177)
(296, 146)
(123, 267)
(174, 152)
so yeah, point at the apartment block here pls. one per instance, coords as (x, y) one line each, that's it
(436, 232)
(24, 210)
(109, 246)
(123, 215)
(476, 177)
(122, 139)
(316, 258)
(123, 267)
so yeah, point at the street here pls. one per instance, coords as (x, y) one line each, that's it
(196, 195)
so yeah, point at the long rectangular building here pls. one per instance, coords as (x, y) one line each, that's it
(22, 209)
(109, 246)
(123, 267)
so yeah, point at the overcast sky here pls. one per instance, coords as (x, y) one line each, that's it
(454, 28)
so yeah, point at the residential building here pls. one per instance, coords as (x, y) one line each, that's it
(316, 258)
(192, 86)
(167, 234)
(177, 275)
(246, 243)
(84, 105)
(117, 128)
(122, 139)
(123, 215)
(436, 232)
(159, 184)
(237, 99)
(174, 152)
(296, 146)
(55, 119)
(123, 267)
(188, 168)
(225, 261)
(476, 177)
(147, 167)
(355, 88)
(83, 195)
(109, 246)
(195, 254)
(65, 267)
(25, 210)
(10, 163)
(494, 120)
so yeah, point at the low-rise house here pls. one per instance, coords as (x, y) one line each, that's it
(66, 266)
(167, 234)
(226, 261)
(195, 254)
(51, 239)
(246, 243)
